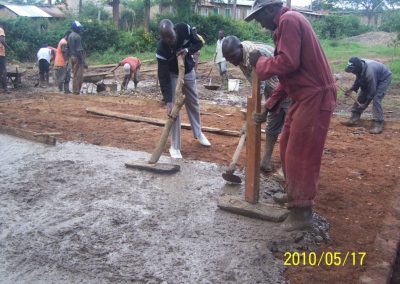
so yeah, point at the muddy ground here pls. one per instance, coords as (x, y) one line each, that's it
(359, 175)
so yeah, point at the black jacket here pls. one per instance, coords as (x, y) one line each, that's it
(166, 56)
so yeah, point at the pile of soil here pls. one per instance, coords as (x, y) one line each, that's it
(374, 38)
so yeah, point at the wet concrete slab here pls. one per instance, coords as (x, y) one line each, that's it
(74, 213)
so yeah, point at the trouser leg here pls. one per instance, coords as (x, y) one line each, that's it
(3, 72)
(192, 103)
(381, 89)
(176, 125)
(302, 142)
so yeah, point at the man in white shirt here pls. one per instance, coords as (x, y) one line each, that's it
(44, 57)
(219, 58)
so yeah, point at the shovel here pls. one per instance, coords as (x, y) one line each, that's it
(229, 174)
(152, 164)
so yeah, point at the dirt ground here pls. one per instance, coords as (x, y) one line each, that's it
(359, 174)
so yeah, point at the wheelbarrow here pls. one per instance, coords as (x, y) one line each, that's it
(14, 75)
(97, 79)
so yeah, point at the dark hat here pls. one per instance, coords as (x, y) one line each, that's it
(354, 65)
(258, 5)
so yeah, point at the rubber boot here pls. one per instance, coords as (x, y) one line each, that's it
(280, 198)
(299, 218)
(377, 128)
(266, 164)
(354, 119)
(60, 86)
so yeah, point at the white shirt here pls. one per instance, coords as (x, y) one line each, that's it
(219, 57)
(44, 53)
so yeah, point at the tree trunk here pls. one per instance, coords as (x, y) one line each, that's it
(234, 9)
(289, 3)
(146, 15)
(115, 8)
(80, 7)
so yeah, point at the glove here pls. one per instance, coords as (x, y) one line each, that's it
(260, 117)
(253, 57)
(169, 107)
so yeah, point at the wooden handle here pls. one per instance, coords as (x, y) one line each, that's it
(253, 144)
(239, 147)
(179, 102)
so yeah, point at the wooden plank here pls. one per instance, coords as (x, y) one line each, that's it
(156, 121)
(263, 211)
(30, 135)
(253, 144)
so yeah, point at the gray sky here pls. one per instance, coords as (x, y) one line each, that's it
(301, 3)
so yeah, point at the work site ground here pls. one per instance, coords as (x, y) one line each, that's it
(73, 213)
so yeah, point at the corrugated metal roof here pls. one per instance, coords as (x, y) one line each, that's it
(27, 11)
(53, 11)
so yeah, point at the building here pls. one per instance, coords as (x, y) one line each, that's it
(13, 11)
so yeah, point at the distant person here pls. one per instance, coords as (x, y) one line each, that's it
(237, 53)
(44, 58)
(3, 69)
(372, 79)
(131, 67)
(61, 66)
(179, 40)
(196, 55)
(219, 58)
(77, 55)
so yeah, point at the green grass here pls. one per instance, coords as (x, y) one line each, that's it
(338, 53)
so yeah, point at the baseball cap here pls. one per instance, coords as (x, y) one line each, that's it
(354, 65)
(76, 24)
(258, 5)
(127, 68)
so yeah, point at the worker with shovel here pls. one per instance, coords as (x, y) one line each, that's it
(373, 79)
(237, 53)
(77, 56)
(179, 40)
(3, 70)
(304, 75)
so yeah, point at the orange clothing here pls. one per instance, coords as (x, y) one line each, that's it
(60, 60)
(2, 47)
(132, 61)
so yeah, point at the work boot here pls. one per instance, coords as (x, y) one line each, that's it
(66, 88)
(280, 198)
(354, 119)
(377, 128)
(266, 164)
(299, 218)
(203, 140)
(60, 86)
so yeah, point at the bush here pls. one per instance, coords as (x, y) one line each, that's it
(391, 22)
(333, 26)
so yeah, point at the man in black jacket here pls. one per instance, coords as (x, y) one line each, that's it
(179, 40)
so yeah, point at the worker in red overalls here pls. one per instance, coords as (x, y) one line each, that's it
(304, 75)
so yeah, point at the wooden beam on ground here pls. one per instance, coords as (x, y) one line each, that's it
(263, 211)
(29, 135)
(253, 144)
(156, 121)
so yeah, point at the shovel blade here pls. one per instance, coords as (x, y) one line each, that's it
(231, 178)
(160, 168)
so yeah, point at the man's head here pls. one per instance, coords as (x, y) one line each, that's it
(45, 45)
(167, 32)
(264, 12)
(354, 66)
(76, 26)
(221, 34)
(232, 50)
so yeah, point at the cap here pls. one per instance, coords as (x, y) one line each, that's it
(76, 24)
(354, 65)
(258, 5)
(127, 68)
